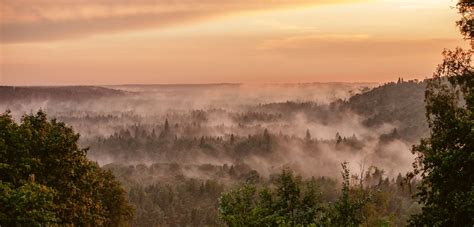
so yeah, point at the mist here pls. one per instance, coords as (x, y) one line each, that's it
(307, 127)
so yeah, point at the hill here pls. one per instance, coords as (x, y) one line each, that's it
(11, 94)
(399, 103)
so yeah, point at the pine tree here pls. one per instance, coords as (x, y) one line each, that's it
(167, 126)
(308, 135)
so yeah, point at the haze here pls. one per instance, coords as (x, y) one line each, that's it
(46, 42)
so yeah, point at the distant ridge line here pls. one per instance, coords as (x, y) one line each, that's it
(203, 84)
(184, 84)
(238, 84)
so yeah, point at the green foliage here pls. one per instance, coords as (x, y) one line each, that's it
(189, 202)
(289, 203)
(237, 208)
(29, 204)
(445, 160)
(348, 209)
(46, 177)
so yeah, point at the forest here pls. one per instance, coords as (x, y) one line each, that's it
(176, 164)
(308, 154)
(258, 162)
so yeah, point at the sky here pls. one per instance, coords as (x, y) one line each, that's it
(105, 42)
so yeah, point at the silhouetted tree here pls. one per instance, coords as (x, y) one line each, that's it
(267, 140)
(445, 159)
(232, 138)
(308, 135)
(466, 23)
(166, 128)
(338, 138)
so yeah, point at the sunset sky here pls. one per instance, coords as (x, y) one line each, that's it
(56, 42)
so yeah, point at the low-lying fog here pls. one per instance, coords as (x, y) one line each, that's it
(306, 127)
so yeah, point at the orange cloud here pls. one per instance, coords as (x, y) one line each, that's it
(358, 45)
(43, 20)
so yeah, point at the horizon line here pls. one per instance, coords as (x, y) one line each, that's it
(189, 84)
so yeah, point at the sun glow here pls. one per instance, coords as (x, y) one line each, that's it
(376, 40)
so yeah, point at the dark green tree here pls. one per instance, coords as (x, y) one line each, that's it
(445, 159)
(288, 195)
(347, 210)
(289, 202)
(46, 177)
(29, 204)
(236, 207)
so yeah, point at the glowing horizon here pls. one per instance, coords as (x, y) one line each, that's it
(200, 42)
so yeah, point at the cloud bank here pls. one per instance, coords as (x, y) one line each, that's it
(44, 20)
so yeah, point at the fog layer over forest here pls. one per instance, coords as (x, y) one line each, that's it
(163, 141)
(308, 127)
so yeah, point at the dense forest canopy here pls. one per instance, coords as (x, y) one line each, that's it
(46, 177)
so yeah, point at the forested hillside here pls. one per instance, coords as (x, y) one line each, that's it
(401, 103)
(175, 161)
(12, 95)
